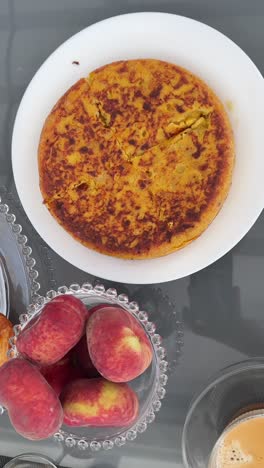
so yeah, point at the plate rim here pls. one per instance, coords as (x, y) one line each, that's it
(159, 277)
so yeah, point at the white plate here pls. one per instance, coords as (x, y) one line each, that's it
(199, 48)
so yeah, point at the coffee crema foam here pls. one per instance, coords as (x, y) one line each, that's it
(241, 446)
(232, 455)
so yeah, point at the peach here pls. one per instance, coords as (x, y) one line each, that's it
(98, 307)
(58, 375)
(58, 328)
(82, 360)
(33, 407)
(98, 402)
(119, 347)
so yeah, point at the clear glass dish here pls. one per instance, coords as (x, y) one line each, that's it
(26, 253)
(17, 260)
(150, 386)
(232, 391)
(28, 460)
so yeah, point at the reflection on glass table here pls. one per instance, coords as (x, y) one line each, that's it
(215, 309)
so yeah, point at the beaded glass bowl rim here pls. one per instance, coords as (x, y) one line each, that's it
(161, 378)
(25, 249)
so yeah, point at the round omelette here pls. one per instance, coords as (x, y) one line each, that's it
(136, 160)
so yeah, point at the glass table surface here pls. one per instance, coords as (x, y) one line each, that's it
(209, 320)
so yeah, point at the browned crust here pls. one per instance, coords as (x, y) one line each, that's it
(164, 241)
(47, 129)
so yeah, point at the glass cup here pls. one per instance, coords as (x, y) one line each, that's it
(235, 391)
(30, 460)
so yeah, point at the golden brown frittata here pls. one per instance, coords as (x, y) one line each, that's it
(136, 160)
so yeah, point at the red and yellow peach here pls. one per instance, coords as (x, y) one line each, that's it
(33, 407)
(57, 329)
(118, 345)
(98, 402)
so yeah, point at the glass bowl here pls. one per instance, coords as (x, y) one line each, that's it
(232, 391)
(28, 460)
(150, 386)
(18, 262)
